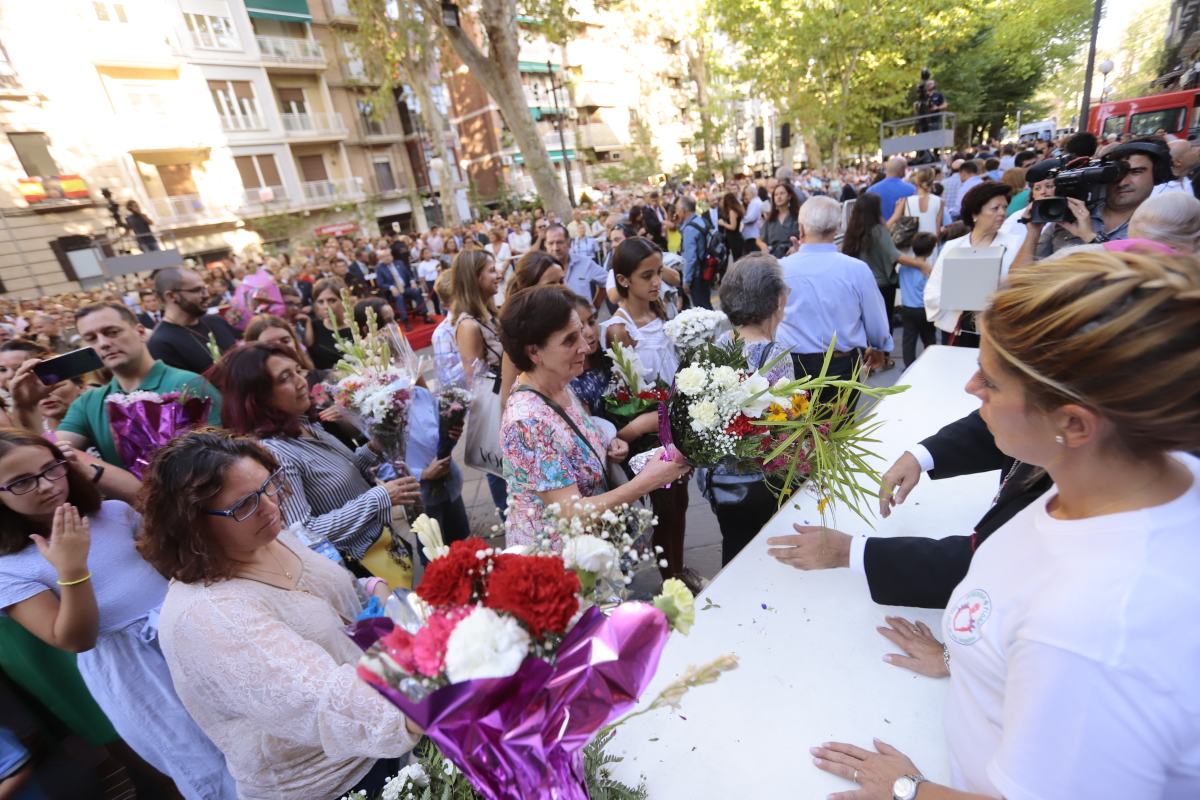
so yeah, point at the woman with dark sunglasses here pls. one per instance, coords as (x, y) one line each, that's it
(253, 628)
(71, 575)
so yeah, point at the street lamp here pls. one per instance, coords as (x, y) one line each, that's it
(1105, 67)
(450, 14)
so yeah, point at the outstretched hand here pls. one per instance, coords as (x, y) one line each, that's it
(67, 548)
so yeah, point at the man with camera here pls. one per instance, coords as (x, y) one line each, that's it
(1113, 185)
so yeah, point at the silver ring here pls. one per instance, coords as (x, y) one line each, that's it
(856, 776)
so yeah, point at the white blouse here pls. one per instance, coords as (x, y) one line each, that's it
(269, 675)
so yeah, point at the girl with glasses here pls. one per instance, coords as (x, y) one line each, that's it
(71, 575)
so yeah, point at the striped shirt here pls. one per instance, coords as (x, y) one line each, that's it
(331, 492)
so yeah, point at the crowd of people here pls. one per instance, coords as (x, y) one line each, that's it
(206, 595)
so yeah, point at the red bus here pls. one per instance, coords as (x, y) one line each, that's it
(1174, 112)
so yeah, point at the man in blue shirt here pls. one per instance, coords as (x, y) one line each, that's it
(694, 235)
(893, 188)
(833, 299)
(584, 276)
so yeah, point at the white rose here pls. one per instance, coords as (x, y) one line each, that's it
(691, 381)
(485, 645)
(752, 406)
(704, 415)
(591, 554)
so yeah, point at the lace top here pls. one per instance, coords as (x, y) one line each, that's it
(269, 675)
(654, 349)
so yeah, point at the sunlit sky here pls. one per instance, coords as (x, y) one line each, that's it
(1118, 14)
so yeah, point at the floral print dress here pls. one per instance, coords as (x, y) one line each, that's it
(542, 453)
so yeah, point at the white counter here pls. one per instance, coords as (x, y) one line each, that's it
(811, 661)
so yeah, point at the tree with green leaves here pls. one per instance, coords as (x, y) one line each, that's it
(399, 51)
(840, 67)
(486, 41)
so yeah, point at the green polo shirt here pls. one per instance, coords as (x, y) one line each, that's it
(88, 415)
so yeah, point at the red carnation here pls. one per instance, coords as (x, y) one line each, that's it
(658, 395)
(452, 579)
(537, 590)
(740, 426)
(622, 395)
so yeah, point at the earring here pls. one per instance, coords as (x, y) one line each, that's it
(1060, 439)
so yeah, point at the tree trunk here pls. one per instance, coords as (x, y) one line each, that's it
(435, 123)
(697, 63)
(497, 71)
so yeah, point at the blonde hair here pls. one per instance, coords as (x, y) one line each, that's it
(1116, 332)
(1171, 218)
(465, 297)
(923, 179)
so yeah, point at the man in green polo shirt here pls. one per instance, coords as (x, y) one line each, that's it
(119, 340)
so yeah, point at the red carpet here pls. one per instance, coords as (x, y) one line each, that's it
(421, 334)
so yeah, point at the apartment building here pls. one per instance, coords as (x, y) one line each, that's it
(611, 85)
(231, 123)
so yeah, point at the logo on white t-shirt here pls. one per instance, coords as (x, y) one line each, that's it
(965, 618)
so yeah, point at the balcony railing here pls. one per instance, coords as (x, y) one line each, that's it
(210, 40)
(291, 52)
(263, 200)
(242, 122)
(327, 192)
(552, 142)
(181, 210)
(318, 124)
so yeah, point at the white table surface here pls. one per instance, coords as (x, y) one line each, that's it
(811, 661)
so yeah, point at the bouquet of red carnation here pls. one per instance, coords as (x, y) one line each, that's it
(628, 394)
(509, 671)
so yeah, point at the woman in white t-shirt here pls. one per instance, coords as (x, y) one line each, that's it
(1071, 644)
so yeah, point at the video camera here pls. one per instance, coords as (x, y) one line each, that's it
(1084, 183)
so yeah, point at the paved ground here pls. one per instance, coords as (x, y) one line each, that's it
(703, 551)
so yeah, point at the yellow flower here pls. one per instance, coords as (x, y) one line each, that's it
(776, 413)
(799, 405)
(824, 501)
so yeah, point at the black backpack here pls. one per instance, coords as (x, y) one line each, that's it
(714, 253)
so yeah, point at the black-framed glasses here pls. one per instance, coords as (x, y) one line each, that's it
(192, 290)
(244, 509)
(55, 472)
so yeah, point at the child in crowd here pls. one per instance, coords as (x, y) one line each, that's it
(912, 297)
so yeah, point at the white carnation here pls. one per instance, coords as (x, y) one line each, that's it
(411, 777)
(704, 415)
(724, 378)
(591, 554)
(691, 381)
(485, 645)
(752, 406)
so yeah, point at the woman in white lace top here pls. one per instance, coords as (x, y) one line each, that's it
(253, 629)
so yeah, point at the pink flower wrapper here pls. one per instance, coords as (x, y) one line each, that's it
(522, 736)
(140, 427)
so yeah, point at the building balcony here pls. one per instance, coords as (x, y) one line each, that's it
(339, 11)
(280, 51)
(263, 200)
(599, 136)
(214, 40)
(242, 122)
(320, 125)
(327, 193)
(553, 142)
(182, 211)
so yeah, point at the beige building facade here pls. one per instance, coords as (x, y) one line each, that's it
(232, 124)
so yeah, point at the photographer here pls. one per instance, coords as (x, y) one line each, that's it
(1147, 163)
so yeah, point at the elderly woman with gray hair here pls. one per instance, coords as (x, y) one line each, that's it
(753, 296)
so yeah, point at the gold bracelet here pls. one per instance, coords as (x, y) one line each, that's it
(87, 577)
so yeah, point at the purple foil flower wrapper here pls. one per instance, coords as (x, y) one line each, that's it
(523, 736)
(141, 426)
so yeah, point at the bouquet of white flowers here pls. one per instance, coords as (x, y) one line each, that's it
(695, 327)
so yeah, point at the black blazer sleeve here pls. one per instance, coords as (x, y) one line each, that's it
(916, 571)
(964, 447)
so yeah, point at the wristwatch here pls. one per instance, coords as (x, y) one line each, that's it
(905, 788)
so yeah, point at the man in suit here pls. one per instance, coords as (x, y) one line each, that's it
(915, 570)
(397, 283)
(150, 314)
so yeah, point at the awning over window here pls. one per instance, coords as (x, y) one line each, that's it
(285, 10)
(537, 66)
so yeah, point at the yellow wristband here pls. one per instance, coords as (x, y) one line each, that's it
(87, 577)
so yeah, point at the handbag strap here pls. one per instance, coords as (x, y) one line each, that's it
(557, 409)
(766, 353)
